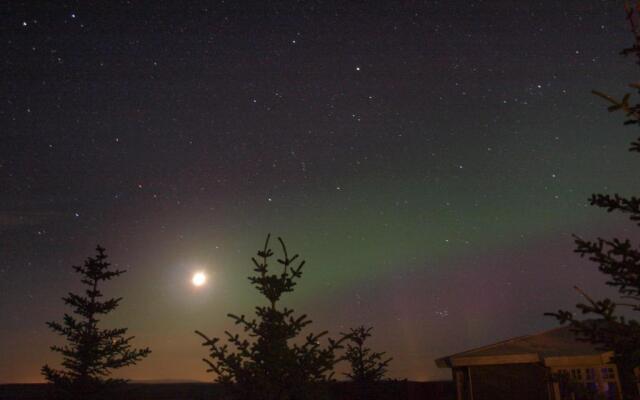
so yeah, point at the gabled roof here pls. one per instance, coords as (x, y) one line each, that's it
(556, 346)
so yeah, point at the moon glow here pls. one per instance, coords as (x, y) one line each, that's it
(198, 279)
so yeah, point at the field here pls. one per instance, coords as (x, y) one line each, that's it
(440, 390)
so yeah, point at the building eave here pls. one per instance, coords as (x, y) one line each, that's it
(588, 360)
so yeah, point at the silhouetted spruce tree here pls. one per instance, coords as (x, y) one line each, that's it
(91, 353)
(617, 258)
(368, 368)
(274, 362)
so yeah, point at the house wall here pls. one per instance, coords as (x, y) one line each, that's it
(603, 378)
(508, 382)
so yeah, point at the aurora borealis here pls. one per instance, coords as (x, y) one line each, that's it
(430, 160)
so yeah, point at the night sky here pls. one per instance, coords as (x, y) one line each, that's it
(430, 160)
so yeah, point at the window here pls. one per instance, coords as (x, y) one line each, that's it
(584, 383)
(576, 374)
(607, 373)
(610, 390)
(609, 384)
(590, 374)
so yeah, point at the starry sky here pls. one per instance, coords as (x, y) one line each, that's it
(429, 159)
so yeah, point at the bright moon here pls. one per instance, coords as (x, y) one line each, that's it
(199, 279)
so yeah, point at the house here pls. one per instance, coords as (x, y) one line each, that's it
(551, 365)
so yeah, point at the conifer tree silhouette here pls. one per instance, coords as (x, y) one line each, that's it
(617, 258)
(275, 362)
(91, 353)
(368, 368)
(366, 365)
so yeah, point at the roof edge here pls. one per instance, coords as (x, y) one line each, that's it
(447, 361)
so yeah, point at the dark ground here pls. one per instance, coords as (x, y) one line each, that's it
(438, 390)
